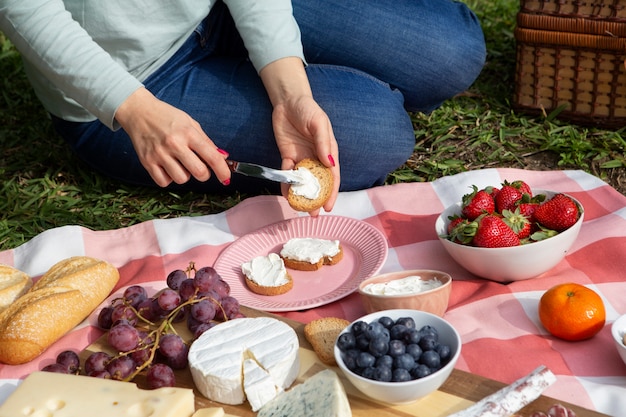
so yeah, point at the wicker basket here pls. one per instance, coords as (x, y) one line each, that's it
(570, 55)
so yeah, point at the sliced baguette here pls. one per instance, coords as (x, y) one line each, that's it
(60, 300)
(322, 334)
(324, 176)
(308, 266)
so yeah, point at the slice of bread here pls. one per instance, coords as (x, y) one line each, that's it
(308, 266)
(322, 334)
(266, 275)
(13, 284)
(325, 177)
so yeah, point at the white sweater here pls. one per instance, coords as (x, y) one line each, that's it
(85, 57)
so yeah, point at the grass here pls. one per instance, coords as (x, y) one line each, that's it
(43, 185)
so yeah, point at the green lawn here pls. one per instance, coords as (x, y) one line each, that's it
(45, 186)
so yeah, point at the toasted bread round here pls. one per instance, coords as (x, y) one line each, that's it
(308, 266)
(322, 334)
(13, 284)
(325, 177)
(270, 290)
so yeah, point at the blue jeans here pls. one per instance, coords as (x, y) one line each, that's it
(369, 62)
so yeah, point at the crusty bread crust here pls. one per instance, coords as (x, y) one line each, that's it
(324, 176)
(13, 284)
(322, 335)
(308, 266)
(60, 300)
(270, 290)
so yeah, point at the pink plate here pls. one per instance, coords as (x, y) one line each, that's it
(364, 247)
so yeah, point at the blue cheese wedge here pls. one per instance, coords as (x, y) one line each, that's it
(245, 358)
(321, 395)
(61, 395)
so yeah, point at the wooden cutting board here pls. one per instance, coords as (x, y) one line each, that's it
(460, 390)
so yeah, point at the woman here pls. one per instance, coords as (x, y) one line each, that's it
(162, 92)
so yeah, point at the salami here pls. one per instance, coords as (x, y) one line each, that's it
(511, 398)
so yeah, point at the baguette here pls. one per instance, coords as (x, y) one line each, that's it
(324, 177)
(60, 300)
(13, 284)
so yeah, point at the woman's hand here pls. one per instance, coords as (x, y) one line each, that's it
(170, 144)
(301, 127)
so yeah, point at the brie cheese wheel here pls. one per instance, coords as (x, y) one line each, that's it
(52, 394)
(245, 358)
(321, 395)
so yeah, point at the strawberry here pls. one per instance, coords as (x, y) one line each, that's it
(510, 194)
(518, 222)
(476, 203)
(493, 232)
(460, 230)
(558, 213)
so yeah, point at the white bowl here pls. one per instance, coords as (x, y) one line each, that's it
(514, 263)
(618, 330)
(409, 391)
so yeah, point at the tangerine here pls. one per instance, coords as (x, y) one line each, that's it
(572, 311)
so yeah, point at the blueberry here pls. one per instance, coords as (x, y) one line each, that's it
(414, 350)
(373, 330)
(444, 352)
(420, 371)
(365, 360)
(401, 375)
(397, 331)
(383, 373)
(378, 347)
(358, 327)
(429, 330)
(386, 321)
(431, 359)
(362, 342)
(404, 361)
(349, 358)
(407, 322)
(428, 341)
(369, 372)
(346, 341)
(384, 360)
(396, 348)
(411, 336)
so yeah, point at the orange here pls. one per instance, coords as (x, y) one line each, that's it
(572, 311)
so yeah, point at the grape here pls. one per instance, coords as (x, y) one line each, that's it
(135, 294)
(160, 375)
(201, 328)
(123, 337)
(187, 289)
(97, 362)
(124, 312)
(168, 300)
(174, 279)
(121, 367)
(100, 374)
(171, 345)
(104, 318)
(56, 368)
(70, 360)
(144, 309)
(222, 288)
(179, 361)
(203, 311)
(206, 278)
(230, 307)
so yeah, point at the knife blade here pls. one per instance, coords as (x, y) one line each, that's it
(259, 171)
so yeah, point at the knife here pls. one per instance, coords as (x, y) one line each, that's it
(259, 171)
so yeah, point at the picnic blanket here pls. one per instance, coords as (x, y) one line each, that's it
(502, 336)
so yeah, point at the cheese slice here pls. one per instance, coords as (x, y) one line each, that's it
(52, 394)
(245, 358)
(321, 395)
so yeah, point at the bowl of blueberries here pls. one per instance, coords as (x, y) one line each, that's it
(398, 356)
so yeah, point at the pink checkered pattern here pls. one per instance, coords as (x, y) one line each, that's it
(502, 336)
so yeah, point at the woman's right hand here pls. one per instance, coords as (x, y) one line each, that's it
(171, 145)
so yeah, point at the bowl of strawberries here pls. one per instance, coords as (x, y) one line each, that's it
(509, 232)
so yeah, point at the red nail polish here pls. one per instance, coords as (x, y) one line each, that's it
(331, 159)
(226, 181)
(222, 151)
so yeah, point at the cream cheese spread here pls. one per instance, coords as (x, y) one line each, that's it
(310, 250)
(409, 285)
(309, 187)
(268, 271)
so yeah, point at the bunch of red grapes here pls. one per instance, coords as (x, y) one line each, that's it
(140, 327)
